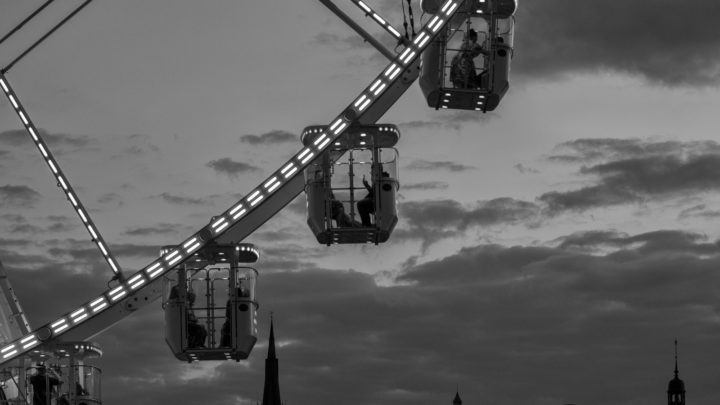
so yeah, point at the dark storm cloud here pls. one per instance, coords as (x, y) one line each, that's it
(516, 309)
(650, 242)
(159, 229)
(109, 198)
(638, 179)
(15, 137)
(26, 229)
(524, 169)
(270, 138)
(20, 137)
(699, 211)
(230, 167)
(431, 221)
(345, 42)
(599, 149)
(651, 39)
(445, 165)
(451, 214)
(18, 196)
(13, 218)
(140, 144)
(179, 200)
(427, 185)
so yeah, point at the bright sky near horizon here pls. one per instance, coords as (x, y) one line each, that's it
(548, 252)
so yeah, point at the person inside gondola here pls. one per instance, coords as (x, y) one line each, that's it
(337, 212)
(196, 332)
(366, 206)
(43, 384)
(463, 73)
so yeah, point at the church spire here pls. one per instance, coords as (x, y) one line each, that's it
(457, 400)
(676, 386)
(271, 391)
(676, 368)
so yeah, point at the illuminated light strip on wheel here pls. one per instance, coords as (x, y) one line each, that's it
(136, 281)
(154, 270)
(29, 341)
(7, 349)
(308, 157)
(219, 225)
(117, 293)
(158, 268)
(327, 140)
(272, 184)
(59, 325)
(191, 245)
(98, 305)
(383, 23)
(78, 315)
(451, 9)
(57, 172)
(288, 170)
(421, 39)
(392, 71)
(255, 198)
(364, 6)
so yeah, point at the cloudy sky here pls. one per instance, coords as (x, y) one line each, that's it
(547, 253)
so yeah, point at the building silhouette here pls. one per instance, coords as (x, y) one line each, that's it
(271, 391)
(457, 400)
(676, 386)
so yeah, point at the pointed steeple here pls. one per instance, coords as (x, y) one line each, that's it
(676, 386)
(271, 343)
(271, 391)
(457, 400)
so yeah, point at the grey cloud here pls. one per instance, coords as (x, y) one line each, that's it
(141, 144)
(640, 39)
(662, 241)
(517, 308)
(699, 211)
(427, 185)
(15, 137)
(430, 125)
(586, 198)
(601, 149)
(179, 200)
(26, 229)
(159, 229)
(643, 170)
(230, 167)
(19, 137)
(18, 196)
(13, 218)
(428, 165)
(524, 169)
(109, 198)
(431, 221)
(270, 138)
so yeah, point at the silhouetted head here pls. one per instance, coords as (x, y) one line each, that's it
(472, 35)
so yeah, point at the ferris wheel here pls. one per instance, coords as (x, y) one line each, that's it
(461, 57)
